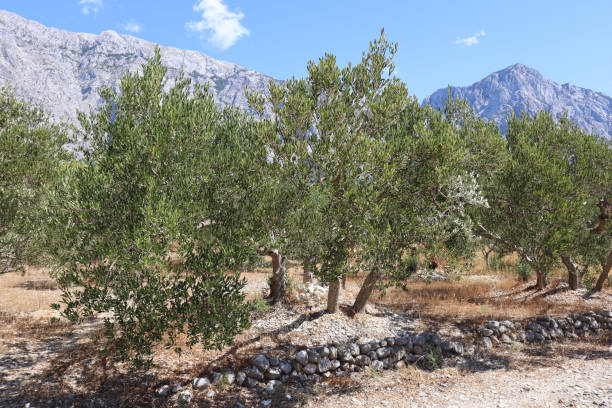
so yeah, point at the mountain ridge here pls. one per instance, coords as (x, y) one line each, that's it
(63, 70)
(522, 88)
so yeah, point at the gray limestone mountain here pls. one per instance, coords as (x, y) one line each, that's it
(63, 70)
(521, 88)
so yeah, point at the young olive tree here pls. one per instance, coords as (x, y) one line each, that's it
(158, 217)
(592, 164)
(323, 138)
(535, 202)
(425, 189)
(31, 159)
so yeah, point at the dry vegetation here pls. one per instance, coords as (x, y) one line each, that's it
(49, 361)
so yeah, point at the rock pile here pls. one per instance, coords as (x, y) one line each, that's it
(313, 364)
(544, 328)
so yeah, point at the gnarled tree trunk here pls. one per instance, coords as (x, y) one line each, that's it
(572, 272)
(542, 281)
(366, 290)
(332, 296)
(278, 283)
(604, 273)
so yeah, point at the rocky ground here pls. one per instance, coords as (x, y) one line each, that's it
(53, 364)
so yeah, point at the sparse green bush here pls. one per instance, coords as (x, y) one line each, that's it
(523, 270)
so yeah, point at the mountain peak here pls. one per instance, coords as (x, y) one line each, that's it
(522, 88)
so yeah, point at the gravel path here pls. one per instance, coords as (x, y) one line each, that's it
(574, 383)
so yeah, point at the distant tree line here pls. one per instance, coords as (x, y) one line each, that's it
(172, 196)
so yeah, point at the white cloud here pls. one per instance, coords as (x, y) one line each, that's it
(222, 26)
(472, 40)
(90, 6)
(132, 27)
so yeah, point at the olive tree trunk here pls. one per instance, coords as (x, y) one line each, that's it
(542, 281)
(307, 276)
(278, 283)
(572, 272)
(604, 273)
(366, 291)
(332, 296)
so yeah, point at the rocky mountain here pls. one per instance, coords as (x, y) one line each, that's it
(522, 88)
(63, 70)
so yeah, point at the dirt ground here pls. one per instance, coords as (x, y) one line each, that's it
(55, 364)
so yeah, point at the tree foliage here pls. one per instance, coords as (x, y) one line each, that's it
(159, 216)
(31, 157)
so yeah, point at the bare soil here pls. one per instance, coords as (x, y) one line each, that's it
(49, 363)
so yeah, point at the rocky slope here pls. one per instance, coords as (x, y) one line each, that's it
(522, 88)
(63, 70)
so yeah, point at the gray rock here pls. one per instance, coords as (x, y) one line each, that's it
(176, 388)
(271, 385)
(251, 382)
(383, 352)
(434, 339)
(240, 377)
(485, 332)
(274, 362)
(210, 393)
(418, 340)
(487, 342)
(313, 356)
(301, 357)
(335, 364)
(506, 339)
(273, 373)
(492, 324)
(378, 365)
(402, 341)
(164, 390)
(365, 348)
(285, 367)
(372, 355)
(216, 377)
(362, 360)
(201, 383)
(255, 373)
(229, 377)
(261, 362)
(185, 396)
(324, 365)
(310, 368)
(457, 347)
(333, 353)
(390, 341)
(353, 349)
(534, 327)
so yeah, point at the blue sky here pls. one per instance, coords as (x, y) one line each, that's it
(440, 42)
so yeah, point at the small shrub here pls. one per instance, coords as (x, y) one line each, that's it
(260, 305)
(434, 360)
(496, 262)
(523, 271)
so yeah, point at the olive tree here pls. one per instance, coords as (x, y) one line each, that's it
(425, 190)
(323, 137)
(31, 159)
(158, 217)
(536, 201)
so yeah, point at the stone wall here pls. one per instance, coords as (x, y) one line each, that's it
(313, 364)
